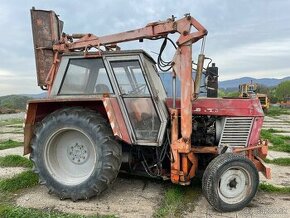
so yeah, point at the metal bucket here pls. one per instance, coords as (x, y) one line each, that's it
(46, 30)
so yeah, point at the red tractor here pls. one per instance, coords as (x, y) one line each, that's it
(107, 111)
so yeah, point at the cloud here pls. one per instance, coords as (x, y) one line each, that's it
(245, 37)
(255, 59)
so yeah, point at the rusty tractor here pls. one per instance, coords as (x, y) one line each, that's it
(107, 112)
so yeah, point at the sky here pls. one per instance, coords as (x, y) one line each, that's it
(245, 37)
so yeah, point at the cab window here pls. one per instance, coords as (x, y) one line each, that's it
(85, 76)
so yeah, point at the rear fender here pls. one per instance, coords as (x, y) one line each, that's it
(37, 110)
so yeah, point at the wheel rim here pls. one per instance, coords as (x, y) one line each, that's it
(234, 185)
(70, 156)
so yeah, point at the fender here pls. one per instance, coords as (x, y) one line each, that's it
(37, 110)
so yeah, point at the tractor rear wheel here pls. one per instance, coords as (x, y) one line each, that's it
(75, 154)
(230, 182)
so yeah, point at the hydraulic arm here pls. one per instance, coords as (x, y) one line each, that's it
(184, 161)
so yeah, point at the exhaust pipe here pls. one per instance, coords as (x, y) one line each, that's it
(199, 70)
(198, 75)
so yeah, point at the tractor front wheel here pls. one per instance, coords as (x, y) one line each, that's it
(75, 154)
(230, 182)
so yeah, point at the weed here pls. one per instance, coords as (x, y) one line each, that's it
(15, 161)
(177, 199)
(280, 143)
(9, 144)
(277, 111)
(273, 130)
(25, 179)
(279, 161)
(271, 188)
(11, 122)
(10, 211)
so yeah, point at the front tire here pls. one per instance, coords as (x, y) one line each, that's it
(75, 154)
(230, 182)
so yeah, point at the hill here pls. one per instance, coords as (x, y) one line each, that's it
(40, 95)
(234, 83)
(13, 103)
(229, 85)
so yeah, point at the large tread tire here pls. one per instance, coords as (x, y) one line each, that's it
(223, 167)
(104, 153)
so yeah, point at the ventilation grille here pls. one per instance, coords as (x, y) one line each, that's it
(236, 131)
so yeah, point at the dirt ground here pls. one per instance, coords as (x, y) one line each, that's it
(126, 198)
(140, 197)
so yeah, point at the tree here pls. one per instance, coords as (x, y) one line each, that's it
(263, 89)
(283, 90)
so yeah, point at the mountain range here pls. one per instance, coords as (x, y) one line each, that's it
(234, 83)
(227, 84)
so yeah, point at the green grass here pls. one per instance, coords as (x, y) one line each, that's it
(9, 144)
(15, 161)
(279, 161)
(280, 143)
(12, 132)
(274, 131)
(178, 199)
(10, 122)
(271, 188)
(23, 180)
(9, 211)
(277, 111)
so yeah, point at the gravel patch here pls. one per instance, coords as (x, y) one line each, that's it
(264, 205)
(8, 172)
(277, 154)
(12, 116)
(127, 198)
(284, 117)
(283, 133)
(12, 151)
(10, 129)
(12, 136)
(280, 175)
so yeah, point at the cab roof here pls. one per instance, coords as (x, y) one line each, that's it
(113, 53)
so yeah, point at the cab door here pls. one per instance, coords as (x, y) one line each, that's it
(135, 95)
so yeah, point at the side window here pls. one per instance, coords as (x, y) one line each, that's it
(130, 78)
(86, 76)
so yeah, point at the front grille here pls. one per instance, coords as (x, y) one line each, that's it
(236, 131)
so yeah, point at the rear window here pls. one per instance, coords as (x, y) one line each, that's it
(85, 76)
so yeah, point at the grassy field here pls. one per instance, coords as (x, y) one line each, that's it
(176, 200)
(274, 189)
(280, 143)
(9, 211)
(27, 179)
(15, 161)
(10, 122)
(277, 111)
(279, 161)
(10, 144)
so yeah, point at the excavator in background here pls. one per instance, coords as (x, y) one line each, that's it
(249, 90)
(107, 111)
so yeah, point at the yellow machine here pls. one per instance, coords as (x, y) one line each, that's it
(248, 90)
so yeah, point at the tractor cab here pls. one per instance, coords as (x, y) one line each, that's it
(130, 77)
